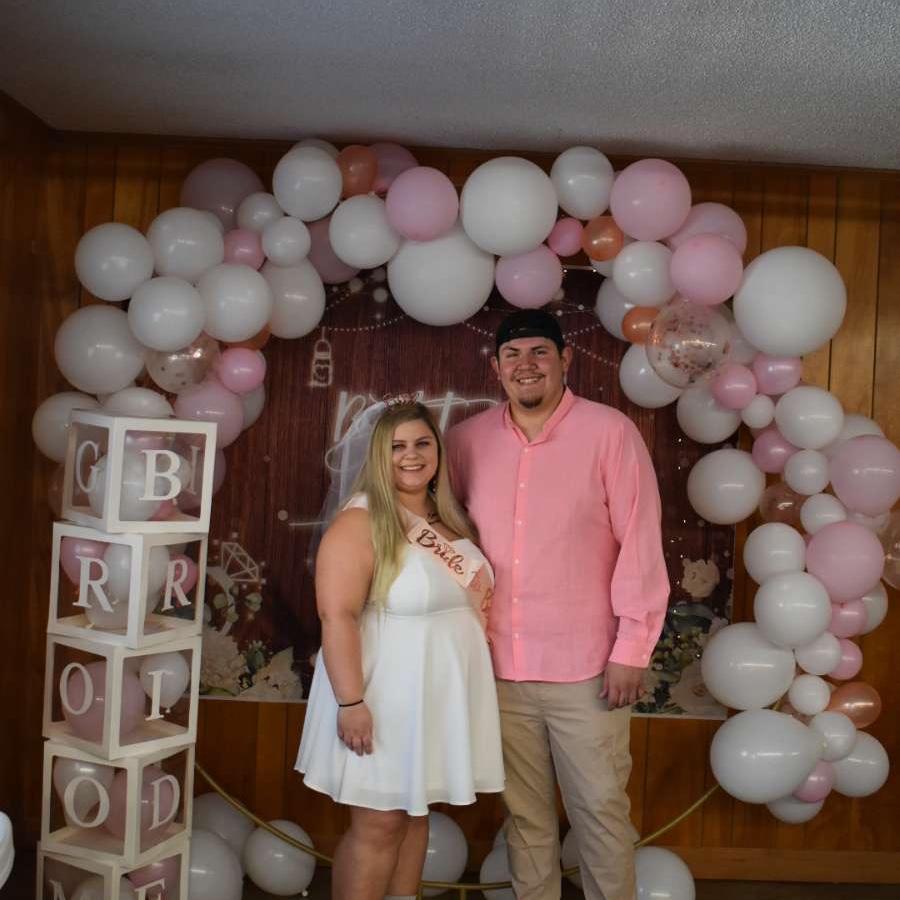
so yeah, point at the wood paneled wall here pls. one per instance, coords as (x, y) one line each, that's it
(54, 187)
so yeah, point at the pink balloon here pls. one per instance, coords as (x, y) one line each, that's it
(851, 659)
(847, 558)
(565, 239)
(89, 724)
(848, 619)
(530, 279)
(220, 185)
(733, 386)
(331, 269)
(392, 161)
(422, 204)
(166, 870)
(712, 218)
(70, 548)
(118, 804)
(650, 199)
(771, 450)
(241, 369)
(244, 247)
(211, 401)
(164, 511)
(707, 269)
(818, 783)
(865, 474)
(776, 374)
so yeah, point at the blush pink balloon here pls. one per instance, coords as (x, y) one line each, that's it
(771, 450)
(219, 186)
(118, 803)
(818, 783)
(241, 369)
(422, 204)
(70, 548)
(166, 870)
(712, 218)
(211, 401)
(851, 660)
(650, 199)
(848, 559)
(707, 269)
(733, 386)
(529, 280)
(865, 474)
(89, 725)
(848, 619)
(324, 260)
(565, 239)
(244, 247)
(777, 374)
(392, 160)
(191, 573)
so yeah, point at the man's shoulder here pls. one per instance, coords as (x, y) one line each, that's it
(600, 414)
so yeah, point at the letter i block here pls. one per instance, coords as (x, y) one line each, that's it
(112, 701)
(164, 877)
(128, 812)
(137, 590)
(139, 475)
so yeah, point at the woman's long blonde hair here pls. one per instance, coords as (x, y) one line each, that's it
(376, 481)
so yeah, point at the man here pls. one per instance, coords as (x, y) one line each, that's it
(565, 499)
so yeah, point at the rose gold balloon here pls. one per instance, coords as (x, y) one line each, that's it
(637, 322)
(602, 239)
(781, 504)
(858, 701)
(359, 166)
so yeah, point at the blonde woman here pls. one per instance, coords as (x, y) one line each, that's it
(403, 710)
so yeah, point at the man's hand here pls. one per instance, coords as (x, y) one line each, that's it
(621, 684)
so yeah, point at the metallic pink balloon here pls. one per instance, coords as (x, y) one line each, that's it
(565, 239)
(818, 783)
(211, 401)
(89, 724)
(777, 374)
(219, 186)
(650, 199)
(166, 870)
(771, 450)
(848, 559)
(244, 247)
(324, 260)
(392, 160)
(848, 619)
(240, 369)
(70, 548)
(733, 386)
(712, 218)
(118, 803)
(422, 204)
(706, 269)
(865, 474)
(529, 280)
(851, 660)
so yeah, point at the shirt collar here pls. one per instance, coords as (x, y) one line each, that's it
(567, 401)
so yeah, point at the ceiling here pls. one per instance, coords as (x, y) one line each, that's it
(811, 81)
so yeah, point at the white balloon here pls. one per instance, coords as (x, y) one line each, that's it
(611, 307)
(96, 351)
(286, 241)
(142, 403)
(604, 267)
(864, 770)
(131, 507)
(94, 888)
(298, 298)
(773, 548)
(740, 350)
(118, 559)
(445, 859)
(875, 524)
(806, 472)
(792, 609)
(855, 425)
(185, 243)
(166, 313)
(441, 282)
(838, 734)
(253, 402)
(307, 183)
(876, 603)
(761, 755)
(809, 694)
(275, 866)
(641, 384)
(86, 796)
(214, 219)
(821, 510)
(809, 417)
(50, 423)
(744, 670)
(508, 206)
(583, 178)
(641, 273)
(238, 302)
(175, 678)
(215, 871)
(500, 836)
(724, 486)
(327, 146)
(570, 857)
(112, 260)
(496, 868)
(212, 813)
(360, 233)
(793, 811)
(820, 655)
(661, 874)
(759, 412)
(257, 211)
(702, 419)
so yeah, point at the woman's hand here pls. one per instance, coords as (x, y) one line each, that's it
(354, 726)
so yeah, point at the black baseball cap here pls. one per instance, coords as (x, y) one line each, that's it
(525, 323)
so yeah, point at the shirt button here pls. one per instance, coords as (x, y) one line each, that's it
(516, 636)
(515, 599)
(516, 561)
(518, 521)
(521, 484)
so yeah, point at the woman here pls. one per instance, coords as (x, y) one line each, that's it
(403, 711)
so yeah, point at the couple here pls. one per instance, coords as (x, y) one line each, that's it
(404, 710)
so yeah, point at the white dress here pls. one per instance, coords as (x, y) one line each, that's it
(430, 688)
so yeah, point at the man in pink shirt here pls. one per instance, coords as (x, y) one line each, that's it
(565, 498)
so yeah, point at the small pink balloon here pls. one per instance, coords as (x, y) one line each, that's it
(848, 559)
(89, 724)
(865, 474)
(188, 567)
(707, 269)
(529, 280)
(118, 804)
(777, 374)
(241, 369)
(650, 199)
(244, 247)
(771, 450)
(70, 548)
(851, 658)
(392, 160)
(166, 870)
(211, 401)
(818, 783)
(219, 186)
(712, 218)
(848, 619)
(565, 239)
(733, 386)
(165, 510)
(422, 204)
(324, 260)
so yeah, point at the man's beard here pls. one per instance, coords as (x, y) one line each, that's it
(531, 402)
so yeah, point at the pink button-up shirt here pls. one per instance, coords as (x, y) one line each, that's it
(571, 524)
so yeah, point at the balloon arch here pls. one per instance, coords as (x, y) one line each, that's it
(214, 278)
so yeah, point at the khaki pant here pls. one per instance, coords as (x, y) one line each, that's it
(565, 732)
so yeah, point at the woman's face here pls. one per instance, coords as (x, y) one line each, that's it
(414, 456)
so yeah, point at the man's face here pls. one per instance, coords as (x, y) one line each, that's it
(532, 370)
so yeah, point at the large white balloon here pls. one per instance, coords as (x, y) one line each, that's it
(166, 313)
(661, 874)
(641, 384)
(743, 670)
(66, 769)
(238, 302)
(215, 871)
(286, 241)
(112, 260)
(583, 178)
(118, 558)
(611, 307)
(821, 510)
(96, 351)
(131, 507)
(141, 403)
(809, 417)
(773, 548)
(809, 694)
(792, 609)
(50, 423)
(820, 655)
(702, 419)
(212, 813)
(641, 273)
(257, 211)
(445, 859)
(761, 755)
(496, 868)
(307, 183)
(793, 811)
(864, 770)
(838, 734)
(327, 146)
(275, 866)
(791, 301)
(806, 472)
(508, 206)
(298, 298)
(173, 673)
(441, 282)
(360, 233)
(185, 242)
(724, 486)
